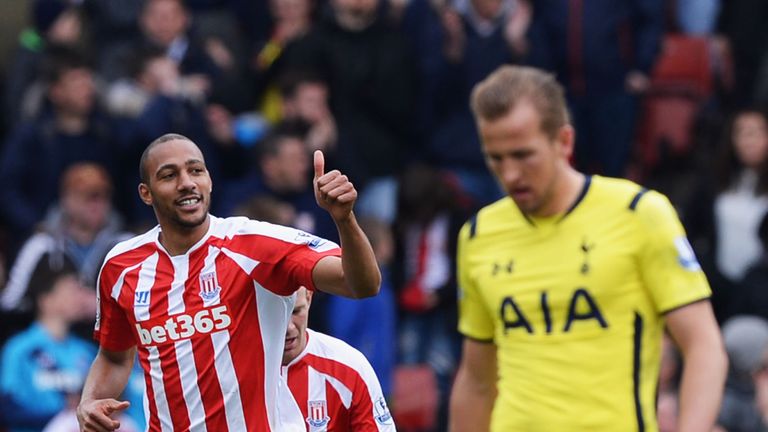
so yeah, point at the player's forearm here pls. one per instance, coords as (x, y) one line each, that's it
(361, 271)
(701, 389)
(471, 404)
(108, 376)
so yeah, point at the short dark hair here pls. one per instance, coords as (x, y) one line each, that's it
(141, 57)
(59, 60)
(290, 80)
(498, 94)
(292, 128)
(143, 174)
(46, 275)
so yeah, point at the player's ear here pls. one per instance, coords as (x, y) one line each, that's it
(309, 297)
(145, 194)
(566, 136)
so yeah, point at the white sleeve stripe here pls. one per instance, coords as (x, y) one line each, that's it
(132, 243)
(344, 392)
(146, 281)
(244, 262)
(115, 291)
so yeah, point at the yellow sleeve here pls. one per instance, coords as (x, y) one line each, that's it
(475, 321)
(669, 268)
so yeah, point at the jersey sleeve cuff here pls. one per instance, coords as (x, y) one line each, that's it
(682, 305)
(313, 260)
(476, 338)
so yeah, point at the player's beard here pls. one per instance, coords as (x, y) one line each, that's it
(190, 223)
(173, 215)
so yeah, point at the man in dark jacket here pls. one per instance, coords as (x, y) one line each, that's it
(371, 76)
(602, 51)
(70, 129)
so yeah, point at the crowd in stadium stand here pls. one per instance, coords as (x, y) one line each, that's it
(670, 93)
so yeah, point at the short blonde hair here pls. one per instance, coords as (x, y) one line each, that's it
(500, 92)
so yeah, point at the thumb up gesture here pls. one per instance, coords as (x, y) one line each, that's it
(333, 190)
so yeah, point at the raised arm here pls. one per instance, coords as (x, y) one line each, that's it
(356, 274)
(105, 382)
(694, 330)
(474, 390)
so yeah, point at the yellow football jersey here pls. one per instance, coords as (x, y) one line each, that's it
(575, 306)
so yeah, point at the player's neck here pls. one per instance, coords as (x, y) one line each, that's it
(177, 240)
(567, 189)
(57, 327)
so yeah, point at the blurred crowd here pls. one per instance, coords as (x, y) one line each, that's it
(670, 93)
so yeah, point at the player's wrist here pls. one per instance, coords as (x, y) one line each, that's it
(343, 221)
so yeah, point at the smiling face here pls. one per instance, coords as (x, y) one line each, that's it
(296, 334)
(177, 185)
(525, 160)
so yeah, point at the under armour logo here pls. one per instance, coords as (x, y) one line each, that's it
(508, 267)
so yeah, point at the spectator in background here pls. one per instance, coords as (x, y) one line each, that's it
(751, 296)
(478, 37)
(268, 209)
(304, 96)
(427, 226)
(333, 383)
(283, 172)
(371, 75)
(70, 129)
(45, 365)
(724, 212)
(77, 232)
(369, 324)
(742, 22)
(746, 342)
(290, 20)
(112, 23)
(166, 25)
(149, 73)
(602, 51)
(53, 23)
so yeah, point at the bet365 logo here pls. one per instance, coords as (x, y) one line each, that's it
(184, 326)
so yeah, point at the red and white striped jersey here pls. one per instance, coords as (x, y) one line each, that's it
(209, 325)
(336, 388)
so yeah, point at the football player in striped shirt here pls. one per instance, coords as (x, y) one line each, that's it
(334, 385)
(205, 301)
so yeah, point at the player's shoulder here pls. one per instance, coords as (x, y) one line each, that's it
(238, 225)
(624, 195)
(499, 215)
(132, 246)
(329, 347)
(232, 228)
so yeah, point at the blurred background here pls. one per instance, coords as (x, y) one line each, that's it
(669, 93)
